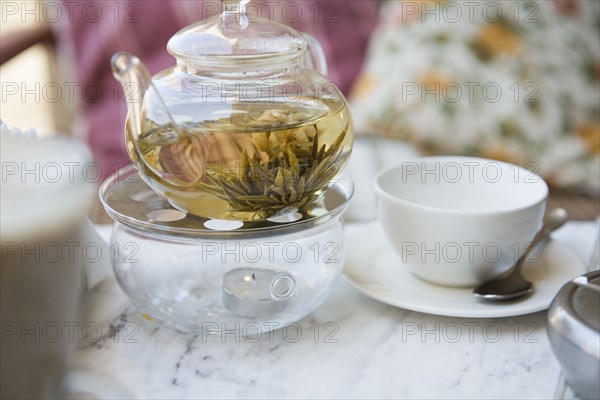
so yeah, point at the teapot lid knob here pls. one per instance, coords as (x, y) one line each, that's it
(235, 5)
(226, 39)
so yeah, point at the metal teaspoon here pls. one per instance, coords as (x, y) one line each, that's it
(511, 284)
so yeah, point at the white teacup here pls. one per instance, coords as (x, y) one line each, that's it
(459, 221)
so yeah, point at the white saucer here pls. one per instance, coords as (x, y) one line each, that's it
(374, 268)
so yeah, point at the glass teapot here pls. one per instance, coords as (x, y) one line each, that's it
(245, 127)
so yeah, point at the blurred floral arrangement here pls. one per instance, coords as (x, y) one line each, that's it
(508, 80)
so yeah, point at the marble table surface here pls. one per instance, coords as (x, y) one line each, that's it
(351, 347)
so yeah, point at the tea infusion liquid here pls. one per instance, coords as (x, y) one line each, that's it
(261, 160)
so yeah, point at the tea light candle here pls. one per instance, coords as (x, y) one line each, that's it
(252, 292)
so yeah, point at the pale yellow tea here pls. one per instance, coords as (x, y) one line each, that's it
(261, 160)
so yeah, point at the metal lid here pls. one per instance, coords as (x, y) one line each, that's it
(574, 314)
(585, 302)
(235, 37)
(129, 200)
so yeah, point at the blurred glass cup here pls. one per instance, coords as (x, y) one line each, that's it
(47, 189)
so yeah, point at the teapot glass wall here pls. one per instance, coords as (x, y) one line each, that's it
(242, 127)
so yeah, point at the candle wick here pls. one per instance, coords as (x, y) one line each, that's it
(253, 277)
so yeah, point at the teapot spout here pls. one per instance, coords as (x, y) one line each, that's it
(137, 83)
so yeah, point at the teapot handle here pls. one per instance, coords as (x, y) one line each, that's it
(315, 56)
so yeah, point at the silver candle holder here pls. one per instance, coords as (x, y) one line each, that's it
(252, 292)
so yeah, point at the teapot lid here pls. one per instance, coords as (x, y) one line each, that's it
(235, 37)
